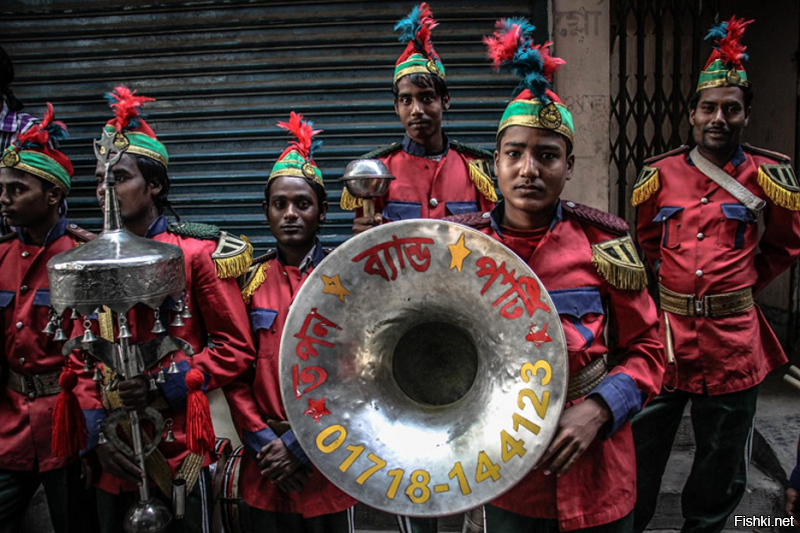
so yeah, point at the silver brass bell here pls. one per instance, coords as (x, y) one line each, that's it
(75, 315)
(87, 365)
(158, 327)
(101, 438)
(153, 384)
(97, 375)
(185, 313)
(123, 332)
(88, 336)
(177, 322)
(170, 435)
(161, 377)
(59, 336)
(49, 329)
(173, 368)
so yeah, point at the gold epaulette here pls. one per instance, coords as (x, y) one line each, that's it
(780, 184)
(479, 171)
(232, 256)
(646, 185)
(619, 264)
(255, 276)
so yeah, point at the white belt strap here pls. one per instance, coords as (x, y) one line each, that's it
(727, 182)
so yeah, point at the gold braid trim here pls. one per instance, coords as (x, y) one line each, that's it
(258, 277)
(618, 263)
(106, 322)
(190, 470)
(482, 182)
(781, 196)
(232, 265)
(349, 203)
(643, 191)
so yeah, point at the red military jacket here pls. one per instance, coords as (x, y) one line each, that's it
(26, 424)
(601, 486)
(700, 240)
(256, 396)
(425, 187)
(218, 330)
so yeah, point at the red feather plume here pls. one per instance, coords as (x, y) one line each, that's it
(551, 63)
(39, 133)
(303, 131)
(503, 45)
(731, 50)
(126, 106)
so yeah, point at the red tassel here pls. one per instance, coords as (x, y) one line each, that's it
(200, 437)
(69, 424)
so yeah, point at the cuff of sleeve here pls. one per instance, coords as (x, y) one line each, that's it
(290, 441)
(623, 399)
(255, 440)
(794, 479)
(94, 420)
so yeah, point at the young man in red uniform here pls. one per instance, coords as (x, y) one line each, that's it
(434, 176)
(282, 491)
(586, 260)
(217, 327)
(34, 182)
(697, 225)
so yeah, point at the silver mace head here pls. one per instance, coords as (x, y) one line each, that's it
(149, 516)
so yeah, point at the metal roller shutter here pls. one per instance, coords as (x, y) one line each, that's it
(224, 72)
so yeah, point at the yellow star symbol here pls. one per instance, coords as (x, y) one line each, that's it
(458, 252)
(334, 286)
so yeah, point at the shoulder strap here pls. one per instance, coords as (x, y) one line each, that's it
(605, 221)
(194, 230)
(79, 233)
(474, 151)
(380, 152)
(679, 150)
(9, 237)
(777, 156)
(473, 220)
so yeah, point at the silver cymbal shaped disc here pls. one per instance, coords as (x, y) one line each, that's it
(423, 368)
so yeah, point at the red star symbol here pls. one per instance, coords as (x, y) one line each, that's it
(316, 409)
(538, 337)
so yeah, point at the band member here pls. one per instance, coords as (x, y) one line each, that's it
(434, 176)
(587, 262)
(213, 321)
(697, 226)
(34, 183)
(282, 491)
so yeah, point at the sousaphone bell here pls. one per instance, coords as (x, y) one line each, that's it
(423, 368)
